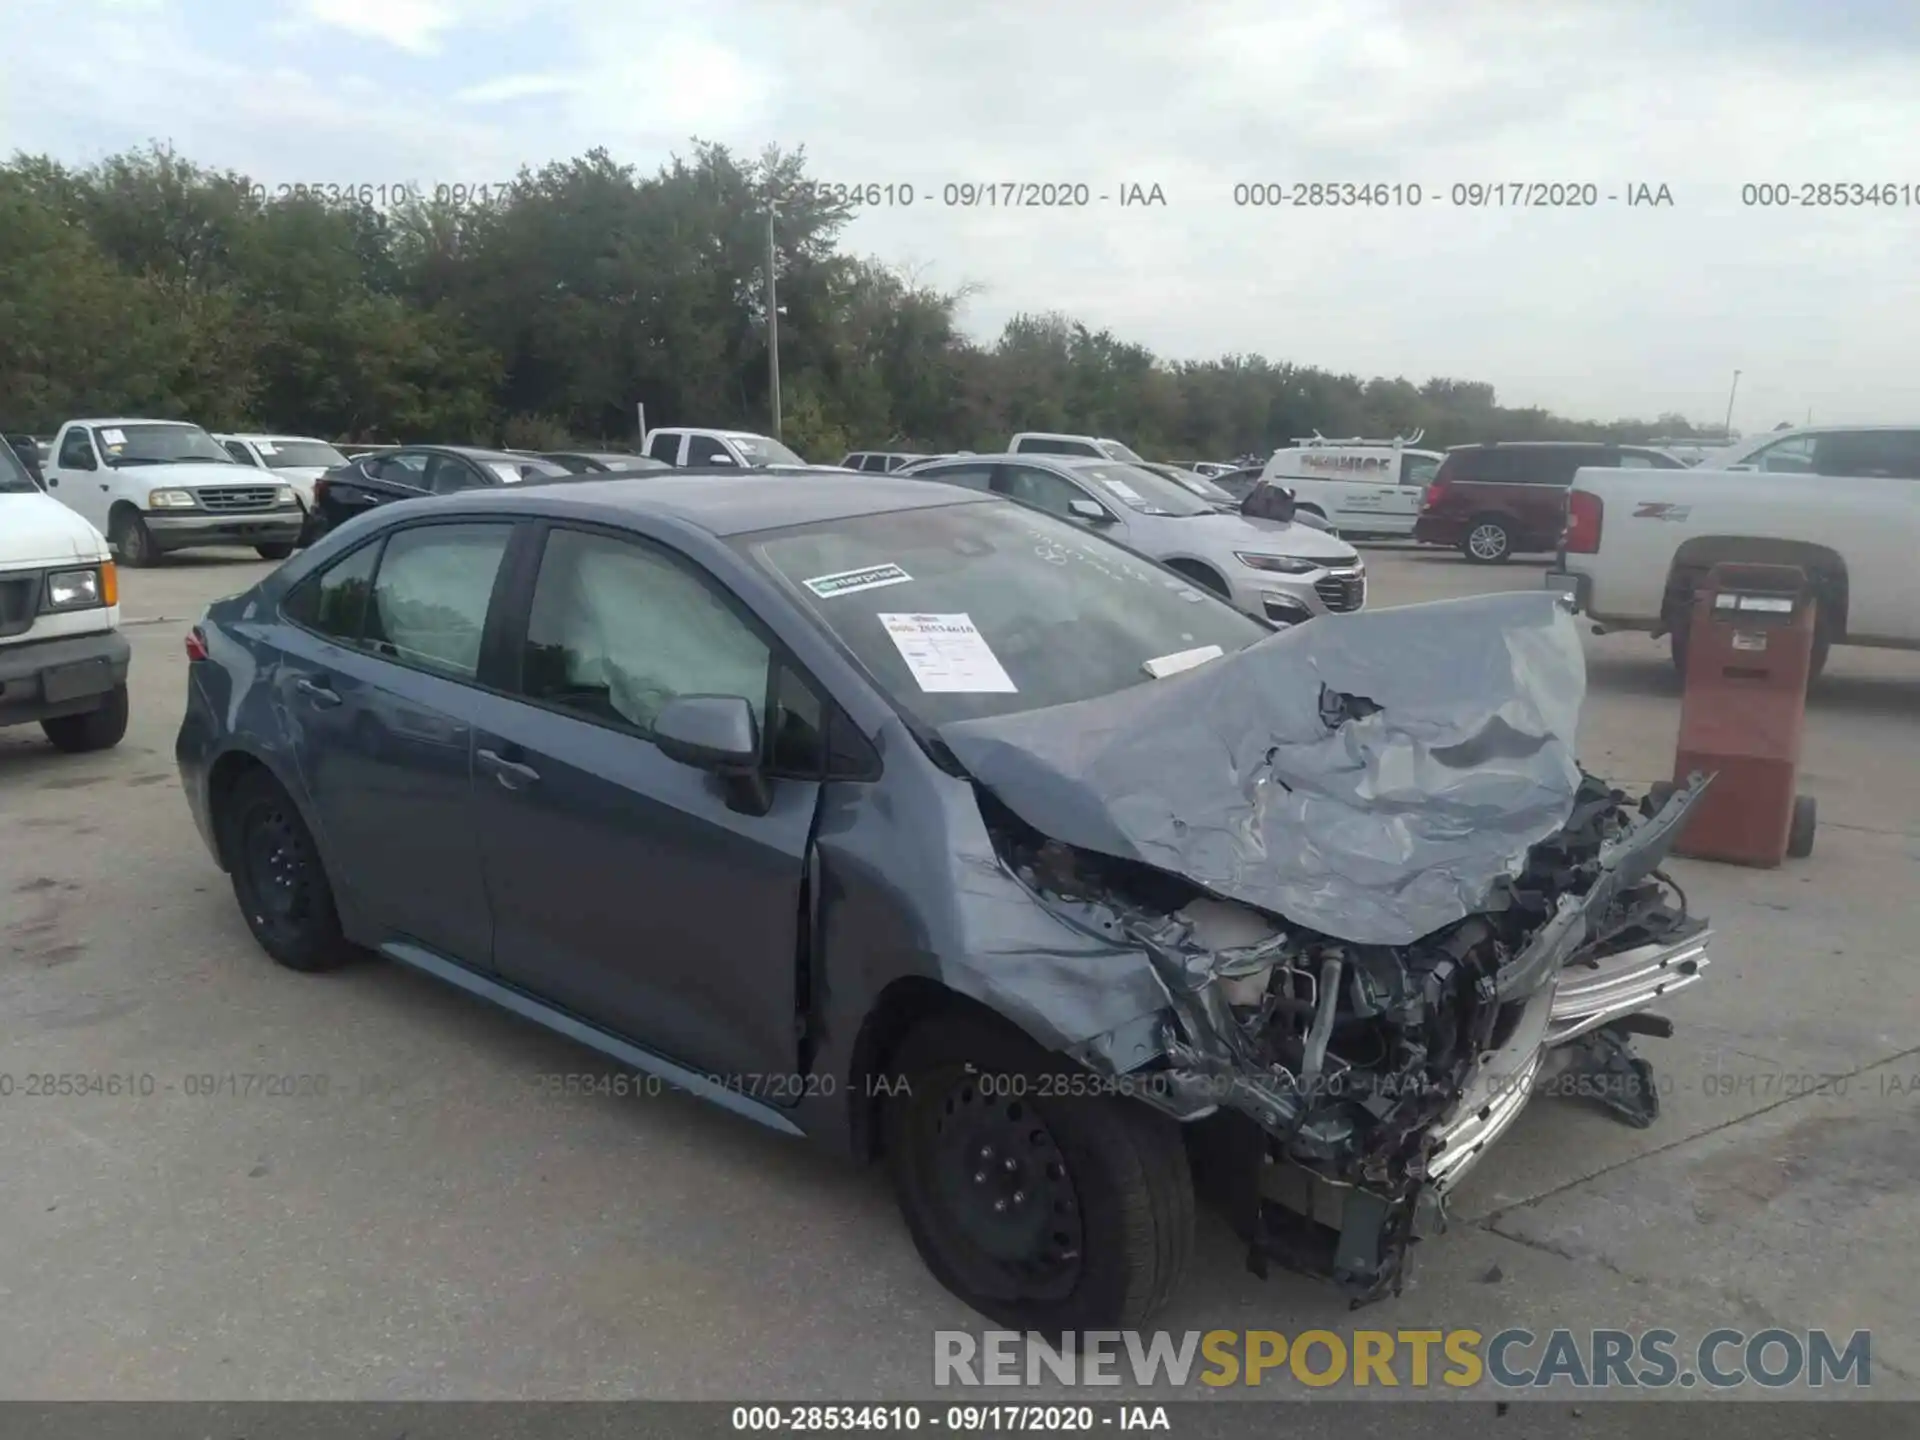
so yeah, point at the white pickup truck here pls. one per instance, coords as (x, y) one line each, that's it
(154, 486)
(1842, 503)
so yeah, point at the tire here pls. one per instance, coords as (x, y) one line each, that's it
(1489, 541)
(1806, 820)
(1677, 648)
(127, 533)
(279, 550)
(278, 878)
(98, 729)
(1117, 1184)
(1201, 576)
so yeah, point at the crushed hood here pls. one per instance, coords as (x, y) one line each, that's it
(1264, 777)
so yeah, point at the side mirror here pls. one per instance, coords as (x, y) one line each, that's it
(1269, 502)
(721, 459)
(718, 734)
(1090, 511)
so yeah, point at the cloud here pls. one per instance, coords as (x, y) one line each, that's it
(1603, 310)
(411, 25)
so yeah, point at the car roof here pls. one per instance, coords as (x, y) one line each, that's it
(1555, 445)
(135, 420)
(268, 435)
(723, 502)
(473, 452)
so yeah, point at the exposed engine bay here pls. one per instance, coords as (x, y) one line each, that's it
(1383, 901)
(1351, 1058)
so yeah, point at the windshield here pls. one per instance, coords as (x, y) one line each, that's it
(15, 478)
(158, 444)
(1141, 490)
(512, 472)
(287, 454)
(1116, 451)
(990, 608)
(761, 451)
(1194, 481)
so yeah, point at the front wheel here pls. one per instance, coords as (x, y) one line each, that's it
(1043, 1210)
(132, 540)
(98, 729)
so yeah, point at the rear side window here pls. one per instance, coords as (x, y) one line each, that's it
(664, 445)
(431, 592)
(1881, 454)
(333, 602)
(1480, 465)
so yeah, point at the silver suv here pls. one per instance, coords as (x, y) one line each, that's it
(1282, 572)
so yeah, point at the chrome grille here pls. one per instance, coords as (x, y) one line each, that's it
(1342, 589)
(225, 499)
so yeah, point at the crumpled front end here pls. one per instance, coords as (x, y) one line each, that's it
(1352, 1032)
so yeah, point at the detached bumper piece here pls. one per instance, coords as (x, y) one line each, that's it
(1588, 998)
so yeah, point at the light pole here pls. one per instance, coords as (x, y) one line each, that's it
(1727, 429)
(773, 330)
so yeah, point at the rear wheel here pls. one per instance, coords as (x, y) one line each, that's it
(1806, 820)
(278, 877)
(98, 729)
(130, 538)
(278, 550)
(1043, 1210)
(1489, 541)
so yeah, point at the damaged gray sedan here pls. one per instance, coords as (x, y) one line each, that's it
(927, 826)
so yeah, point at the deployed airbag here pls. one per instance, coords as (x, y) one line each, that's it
(1373, 776)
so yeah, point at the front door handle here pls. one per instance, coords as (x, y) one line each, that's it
(320, 695)
(511, 774)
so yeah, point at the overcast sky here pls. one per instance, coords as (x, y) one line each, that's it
(1597, 312)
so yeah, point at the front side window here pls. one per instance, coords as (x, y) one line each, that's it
(1418, 469)
(1793, 456)
(705, 450)
(76, 450)
(431, 592)
(238, 450)
(618, 628)
(444, 475)
(1041, 489)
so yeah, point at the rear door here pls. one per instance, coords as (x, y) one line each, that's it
(378, 684)
(626, 888)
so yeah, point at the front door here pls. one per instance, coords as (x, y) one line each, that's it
(78, 478)
(377, 686)
(624, 888)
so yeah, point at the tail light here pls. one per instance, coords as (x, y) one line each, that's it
(319, 493)
(1436, 492)
(1584, 514)
(196, 644)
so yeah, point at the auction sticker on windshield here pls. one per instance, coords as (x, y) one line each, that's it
(1125, 491)
(948, 655)
(867, 577)
(113, 437)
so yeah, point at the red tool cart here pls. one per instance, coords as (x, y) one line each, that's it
(1749, 657)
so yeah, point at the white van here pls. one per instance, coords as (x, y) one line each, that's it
(63, 660)
(1037, 442)
(1365, 487)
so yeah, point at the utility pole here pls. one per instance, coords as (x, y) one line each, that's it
(1727, 429)
(773, 328)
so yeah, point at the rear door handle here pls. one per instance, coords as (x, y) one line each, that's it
(319, 694)
(510, 773)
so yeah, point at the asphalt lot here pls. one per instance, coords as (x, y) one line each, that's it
(434, 1226)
